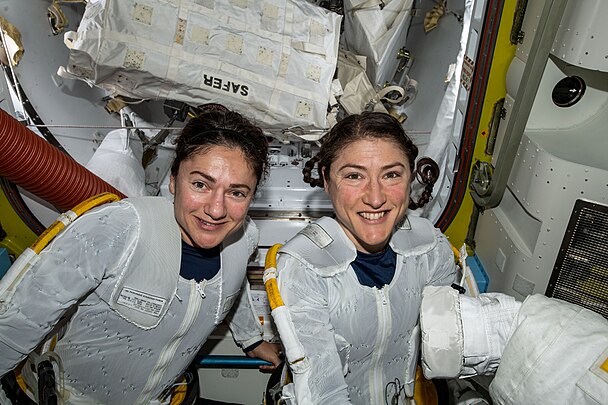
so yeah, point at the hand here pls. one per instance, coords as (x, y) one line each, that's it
(269, 352)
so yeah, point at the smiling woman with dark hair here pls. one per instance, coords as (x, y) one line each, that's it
(353, 284)
(120, 302)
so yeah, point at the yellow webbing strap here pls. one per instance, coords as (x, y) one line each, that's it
(272, 287)
(424, 390)
(78, 210)
(20, 381)
(178, 393)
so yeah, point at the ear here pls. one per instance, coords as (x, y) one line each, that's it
(325, 180)
(172, 184)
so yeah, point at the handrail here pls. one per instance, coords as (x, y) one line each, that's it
(548, 25)
(229, 361)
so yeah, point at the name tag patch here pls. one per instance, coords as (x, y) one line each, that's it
(141, 301)
(317, 235)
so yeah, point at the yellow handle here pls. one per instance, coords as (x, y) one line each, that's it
(272, 287)
(78, 210)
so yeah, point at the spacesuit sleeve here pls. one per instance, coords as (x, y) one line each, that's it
(243, 322)
(464, 336)
(318, 376)
(543, 350)
(34, 297)
(442, 267)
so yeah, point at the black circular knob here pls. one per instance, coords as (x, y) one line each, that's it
(568, 91)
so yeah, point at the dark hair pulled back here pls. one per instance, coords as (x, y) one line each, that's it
(370, 125)
(216, 125)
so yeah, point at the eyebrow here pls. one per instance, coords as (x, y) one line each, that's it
(363, 168)
(213, 181)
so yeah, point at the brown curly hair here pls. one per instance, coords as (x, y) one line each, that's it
(370, 125)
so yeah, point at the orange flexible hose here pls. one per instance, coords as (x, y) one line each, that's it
(32, 163)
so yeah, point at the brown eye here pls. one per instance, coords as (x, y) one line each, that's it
(238, 194)
(353, 176)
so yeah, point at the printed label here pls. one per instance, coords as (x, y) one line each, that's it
(468, 67)
(141, 301)
(317, 235)
(224, 85)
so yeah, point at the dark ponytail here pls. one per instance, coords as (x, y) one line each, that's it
(427, 173)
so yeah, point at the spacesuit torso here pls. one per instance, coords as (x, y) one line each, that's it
(362, 342)
(137, 324)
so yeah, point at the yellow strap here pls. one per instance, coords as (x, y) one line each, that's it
(272, 287)
(57, 226)
(178, 394)
(20, 381)
(424, 390)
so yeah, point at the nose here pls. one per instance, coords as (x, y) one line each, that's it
(374, 195)
(215, 207)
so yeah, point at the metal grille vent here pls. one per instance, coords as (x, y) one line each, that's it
(580, 274)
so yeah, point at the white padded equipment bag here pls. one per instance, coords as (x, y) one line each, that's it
(272, 60)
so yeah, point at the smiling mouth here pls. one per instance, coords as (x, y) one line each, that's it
(372, 216)
(209, 224)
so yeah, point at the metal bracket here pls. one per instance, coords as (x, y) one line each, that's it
(517, 35)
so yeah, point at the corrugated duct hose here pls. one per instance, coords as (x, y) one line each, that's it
(32, 163)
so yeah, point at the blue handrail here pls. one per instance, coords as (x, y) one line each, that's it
(229, 361)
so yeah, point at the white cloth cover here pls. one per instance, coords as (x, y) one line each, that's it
(557, 354)
(378, 30)
(357, 91)
(272, 60)
(358, 94)
(543, 351)
(441, 330)
(358, 339)
(117, 160)
(134, 326)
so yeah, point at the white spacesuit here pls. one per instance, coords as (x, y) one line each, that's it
(133, 324)
(543, 351)
(361, 343)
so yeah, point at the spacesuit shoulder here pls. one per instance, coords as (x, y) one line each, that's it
(323, 247)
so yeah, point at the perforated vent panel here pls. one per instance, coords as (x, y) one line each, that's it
(580, 274)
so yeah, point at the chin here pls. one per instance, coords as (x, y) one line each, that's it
(208, 243)
(380, 241)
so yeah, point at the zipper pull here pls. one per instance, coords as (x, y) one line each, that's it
(383, 297)
(200, 287)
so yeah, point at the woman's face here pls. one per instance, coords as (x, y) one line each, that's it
(213, 190)
(369, 187)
